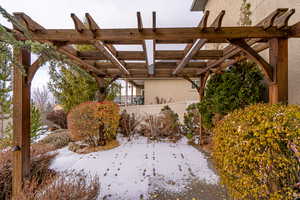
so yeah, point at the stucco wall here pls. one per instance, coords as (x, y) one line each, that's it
(155, 109)
(260, 9)
(170, 90)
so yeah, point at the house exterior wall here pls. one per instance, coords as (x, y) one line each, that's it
(176, 90)
(155, 109)
(260, 9)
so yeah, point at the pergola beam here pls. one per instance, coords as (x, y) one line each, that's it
(80, 27)
(72, 36)
(159, 55)
(258, 48)
(199, 43)
(66, 50)
(140, 28)
(77, 61)
(141, 66)
(265, 67)
(232, 51)
(202, 25)
(105, 51)
(34, 67)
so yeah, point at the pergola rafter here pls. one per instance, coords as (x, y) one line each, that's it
(192, 63)
(140, 28)
(199, 43)
(104, 49)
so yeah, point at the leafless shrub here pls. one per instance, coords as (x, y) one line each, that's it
(58, 139)
(151, 127)
(38, 170)
(58, 117)
(165, 125)
(67, 186)
(162, 100)
(129, 124)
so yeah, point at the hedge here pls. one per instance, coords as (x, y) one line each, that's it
(256, 151)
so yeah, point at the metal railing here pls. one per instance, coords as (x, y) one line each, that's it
(130, 100)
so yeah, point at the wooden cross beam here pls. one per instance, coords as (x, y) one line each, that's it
(268, 22)
(94, 27)
(282, 21)
(202, 25)
(232, 50)
(159, 54)
(258, 48)
(265, 67)
(199, 43)
(80, 27)
(105, 51)
(37, 28)
(140, 28)
(34, 68)
(141, 66)
(132, 34)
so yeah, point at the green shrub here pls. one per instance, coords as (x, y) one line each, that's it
(36, 122)
(236, 88)
(58, 139)
(170, 122)
(35, 125)
(94, 122)
(256, 151)
(192, 122)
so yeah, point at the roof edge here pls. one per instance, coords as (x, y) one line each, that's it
(198, 5)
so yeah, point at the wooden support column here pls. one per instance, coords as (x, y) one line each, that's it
(126, 93)
(202, 83)
(278, 90)
(21, 123)
(102, 88)
(131, 94)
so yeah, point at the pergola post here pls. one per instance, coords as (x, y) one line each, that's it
(278, 90)
(202, 83)
(21, 122)
(102, 88)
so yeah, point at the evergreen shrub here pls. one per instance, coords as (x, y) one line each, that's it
(239, 86)
(256, 150)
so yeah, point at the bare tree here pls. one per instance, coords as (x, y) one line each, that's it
(41, 97)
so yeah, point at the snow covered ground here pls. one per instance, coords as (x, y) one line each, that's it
(140, 167)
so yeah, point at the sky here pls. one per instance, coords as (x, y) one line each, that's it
(107, 14)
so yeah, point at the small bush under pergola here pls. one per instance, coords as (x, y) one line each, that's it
(246, 42)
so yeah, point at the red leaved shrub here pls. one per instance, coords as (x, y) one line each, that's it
(94, 122)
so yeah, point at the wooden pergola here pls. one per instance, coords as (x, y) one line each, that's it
(193, 62)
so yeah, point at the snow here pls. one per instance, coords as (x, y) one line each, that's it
(139, 167)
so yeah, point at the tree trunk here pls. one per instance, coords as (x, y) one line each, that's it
(101, 140)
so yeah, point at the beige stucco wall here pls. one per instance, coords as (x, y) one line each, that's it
(155, 109)
(260, 9)
(171, 90)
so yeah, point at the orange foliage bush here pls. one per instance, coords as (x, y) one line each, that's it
(94, 122)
